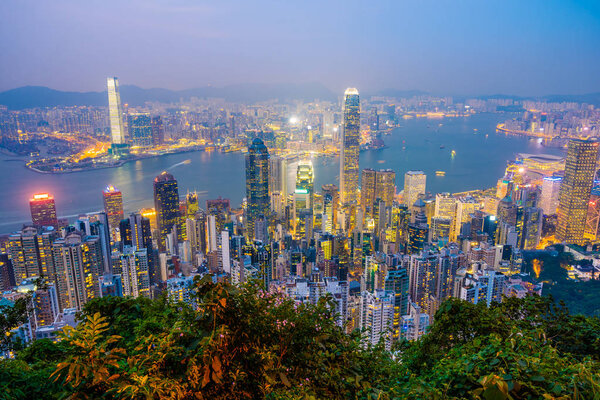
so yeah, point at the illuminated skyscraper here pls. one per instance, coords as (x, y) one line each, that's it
(414, 185)
(192, 207)
(115, 112)
(257, 184)
(158, 132)
(43, 210)
(580, 168)
(78, 263)
(140, 130)
(166, 204)
(377, 185)
(550, 190)
(349, 148)
(303, 195)
(31, 253)
(113, 206)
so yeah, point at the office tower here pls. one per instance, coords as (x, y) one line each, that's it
(78, 264)
(376, 185)
(304, 192)
(417, 237)
(257, 184)
(445, 206)
(43, 210)
(377, 316)
(334, 193)
(465, 206)
(550, 190)
(440, 229)
(575, 189)
(113, 206)
(278, 175)
(414, 185)
(385, 186)
(158, 132)
(134, 270)
(532, 228)
(482, 286)
(140, 130)
(115, 112)
(349, 148)
(30, 251)
(367, 191)
(397, 282)
(166, 204)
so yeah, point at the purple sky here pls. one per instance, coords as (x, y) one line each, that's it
(526, 47)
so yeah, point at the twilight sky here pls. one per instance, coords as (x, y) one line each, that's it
(525, 47)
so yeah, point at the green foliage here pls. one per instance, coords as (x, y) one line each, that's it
(11, 316)
(243, 343)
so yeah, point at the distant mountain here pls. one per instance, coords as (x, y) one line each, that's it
(399, 93)
(39, 96)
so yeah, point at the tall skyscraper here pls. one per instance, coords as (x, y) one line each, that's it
(166, 204)
(257, 184)
(550, 190)
(414, 185)
(140, 130)
(115, 112)
(43, 210)
(113, 206)
(580, 168)
(349, 148)
(31, 253)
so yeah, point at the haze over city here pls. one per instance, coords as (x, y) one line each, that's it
(299, 200)
(444, 47)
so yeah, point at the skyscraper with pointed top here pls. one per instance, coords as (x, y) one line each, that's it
(257, 184)
(349, 148)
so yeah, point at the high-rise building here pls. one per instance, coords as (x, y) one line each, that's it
(550, 190)
(30, 251)
(134, 271)
(78, 263)
(113, 206)
(140, 130)
(43, 210)
(592, 228)
(304, 192)
(377, 316)
(158, 132)
(397, 283)
(376, 185)
(575, 189)
(257, 184)
(414, 185)
(166, 204)
(115, 112)
(349, 149)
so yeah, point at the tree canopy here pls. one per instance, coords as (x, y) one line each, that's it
(244, 343)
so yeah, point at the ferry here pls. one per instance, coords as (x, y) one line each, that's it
(453, 152)
(440, 173)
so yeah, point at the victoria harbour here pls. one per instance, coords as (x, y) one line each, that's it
(481, 155)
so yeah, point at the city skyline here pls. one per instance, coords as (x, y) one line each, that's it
(484, 48)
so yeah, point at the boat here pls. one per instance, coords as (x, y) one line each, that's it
(403, 147)
(440, 173)
(442, 146)
(453, 152)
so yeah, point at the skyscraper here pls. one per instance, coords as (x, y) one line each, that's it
(257, 184)
(140, 130)
(43, 210)
(550, 190)
(113, 206)
(580, 168)
(115, 113)
(158, 132)
(166, 203)
(414, 185)
(376, 185)
(349, 148)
